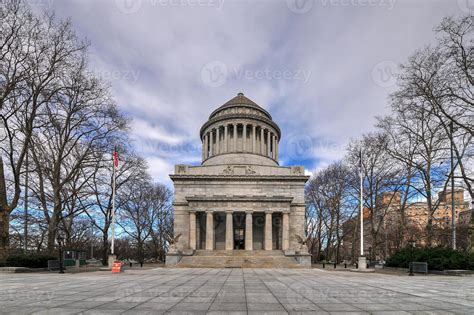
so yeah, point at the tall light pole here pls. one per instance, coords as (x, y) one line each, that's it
(361, 206)
(453, 210)
(115, 163)
(25, 226)
(362, 261)
(113, 205)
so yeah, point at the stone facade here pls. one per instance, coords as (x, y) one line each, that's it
(239, 198)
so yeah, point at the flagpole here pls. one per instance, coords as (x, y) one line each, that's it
(361, 209)
(113, 205)
(362, 261)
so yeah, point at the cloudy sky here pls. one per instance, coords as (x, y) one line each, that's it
(323, 68)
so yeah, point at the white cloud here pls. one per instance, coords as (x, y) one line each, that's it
(154, 56)
(160, 169)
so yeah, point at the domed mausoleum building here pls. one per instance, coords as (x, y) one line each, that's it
(239, 207)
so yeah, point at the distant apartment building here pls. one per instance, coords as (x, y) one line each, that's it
(386, 221)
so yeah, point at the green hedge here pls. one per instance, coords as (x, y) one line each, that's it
(438, 258)
(29, 261)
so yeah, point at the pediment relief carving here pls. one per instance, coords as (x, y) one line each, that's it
(238, 170)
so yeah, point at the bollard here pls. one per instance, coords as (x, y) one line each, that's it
(345, 265)
(334, 265)
(324, 264)
(357, 265)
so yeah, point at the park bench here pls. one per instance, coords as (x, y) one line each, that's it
(53, 265)
(418, 267)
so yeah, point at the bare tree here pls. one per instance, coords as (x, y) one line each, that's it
(327, 194)
(80, 122)
(142, 204)
(438, 80)
(132, 168)
(34, 53)
(383, 178)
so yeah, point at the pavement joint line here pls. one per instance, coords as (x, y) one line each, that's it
(392, 290)
(169, 309)
(245, 290)
(223, 283)
(273, 294)
(423, 295)
(107, 302)
(289, 289)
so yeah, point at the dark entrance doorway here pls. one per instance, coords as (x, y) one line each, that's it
(239, 230)
(239, 239)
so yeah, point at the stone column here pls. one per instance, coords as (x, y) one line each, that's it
(209, 230)
(269, 137)
(286, 231)
(273, 146)
(262, 141)
(235, 137)
(268, 231)
(226, 145)
(211, 137)
(192, 229)
(244, 138)
(203, 157)
(276, 148)
(217, 140)
(229, 231)
(205, 146)
(254, 139)
(248, 230)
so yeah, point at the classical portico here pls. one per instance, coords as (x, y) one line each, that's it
(239, 198)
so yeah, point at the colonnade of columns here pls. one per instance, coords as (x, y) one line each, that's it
(251, 139)
(229, 234)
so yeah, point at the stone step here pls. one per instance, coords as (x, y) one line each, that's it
(214, 261)
(239, 253)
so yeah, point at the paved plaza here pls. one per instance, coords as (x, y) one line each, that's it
(234, 291)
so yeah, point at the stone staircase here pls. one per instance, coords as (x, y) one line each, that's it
(238, 259)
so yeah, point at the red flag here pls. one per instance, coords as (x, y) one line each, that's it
(116, 159)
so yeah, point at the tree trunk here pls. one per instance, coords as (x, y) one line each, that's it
(4, 234)
(4, 216)
(105, 248)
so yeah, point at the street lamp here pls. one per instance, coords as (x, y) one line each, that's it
(412, 243)
(60, 240)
